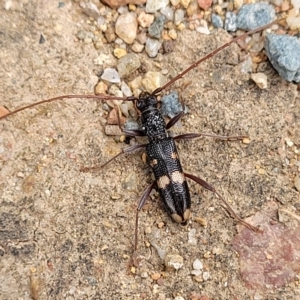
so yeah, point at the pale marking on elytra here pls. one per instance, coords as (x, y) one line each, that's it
(163, 181)
(177, 177)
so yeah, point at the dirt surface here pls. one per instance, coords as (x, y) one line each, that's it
(69, 235)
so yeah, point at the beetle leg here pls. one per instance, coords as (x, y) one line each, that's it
(124, 151)
(228, 207)
(174, 120)
(133, 132)
(189, 136)
(142, 202)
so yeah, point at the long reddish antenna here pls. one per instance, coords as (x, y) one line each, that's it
(211, 54)
(95, 97)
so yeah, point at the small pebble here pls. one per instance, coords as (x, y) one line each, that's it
(155, 276)
(173, 34)
(131, 125)
(119, 52)
(160, 224)
(217, 21)
(197, 264)
(173, 261)
(238, 4)
(217, 251)
(153, 80)
(153, 6)
(260, 79)
(205, 276)
(192, 239)
(198, 278)
(170, 104)
(114, 90)
(261, 171)
(192, 9)
(124, 109)
(126, 27)
(205, 4)
(203, 222)
(179, 16)
(293, 22)
(145, 20)
(185, 3)
(156, 27)
(230, 21)
(128, 64)
(144, 275)
(111, 75)
(207, 254)
(203, 30)
(3, 111)
(137, 47)
(148, 230)
(289, 142)
(152, 47)
(126, 90)
(168, 12)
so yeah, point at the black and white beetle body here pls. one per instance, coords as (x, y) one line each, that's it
(164, 160)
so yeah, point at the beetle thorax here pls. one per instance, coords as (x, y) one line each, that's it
(153, 124)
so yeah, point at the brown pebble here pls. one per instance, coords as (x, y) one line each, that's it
(203, 222)
(168, 46)
(198, 278)
(160, 224)
(155, 276)
(160, 281)
(205, 4)
(3, 111)
(112, 118)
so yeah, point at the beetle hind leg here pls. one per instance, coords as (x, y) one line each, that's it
(228, 207)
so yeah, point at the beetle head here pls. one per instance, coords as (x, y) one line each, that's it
(146, 101)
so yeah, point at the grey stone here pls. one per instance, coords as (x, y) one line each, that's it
(283, 52)
(179, 16)
(230, 21)
(152, 47)
(128, 64)
(131, 125)
(153, 6)
(170, 105)
(157, 26)
(217, 21)
(168, 12)
(255, 15)
(111, 75)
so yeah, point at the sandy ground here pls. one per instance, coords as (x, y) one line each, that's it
(69, 235)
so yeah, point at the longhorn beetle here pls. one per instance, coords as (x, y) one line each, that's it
(161, 149)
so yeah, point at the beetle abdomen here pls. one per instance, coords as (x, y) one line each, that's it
(164, 160)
